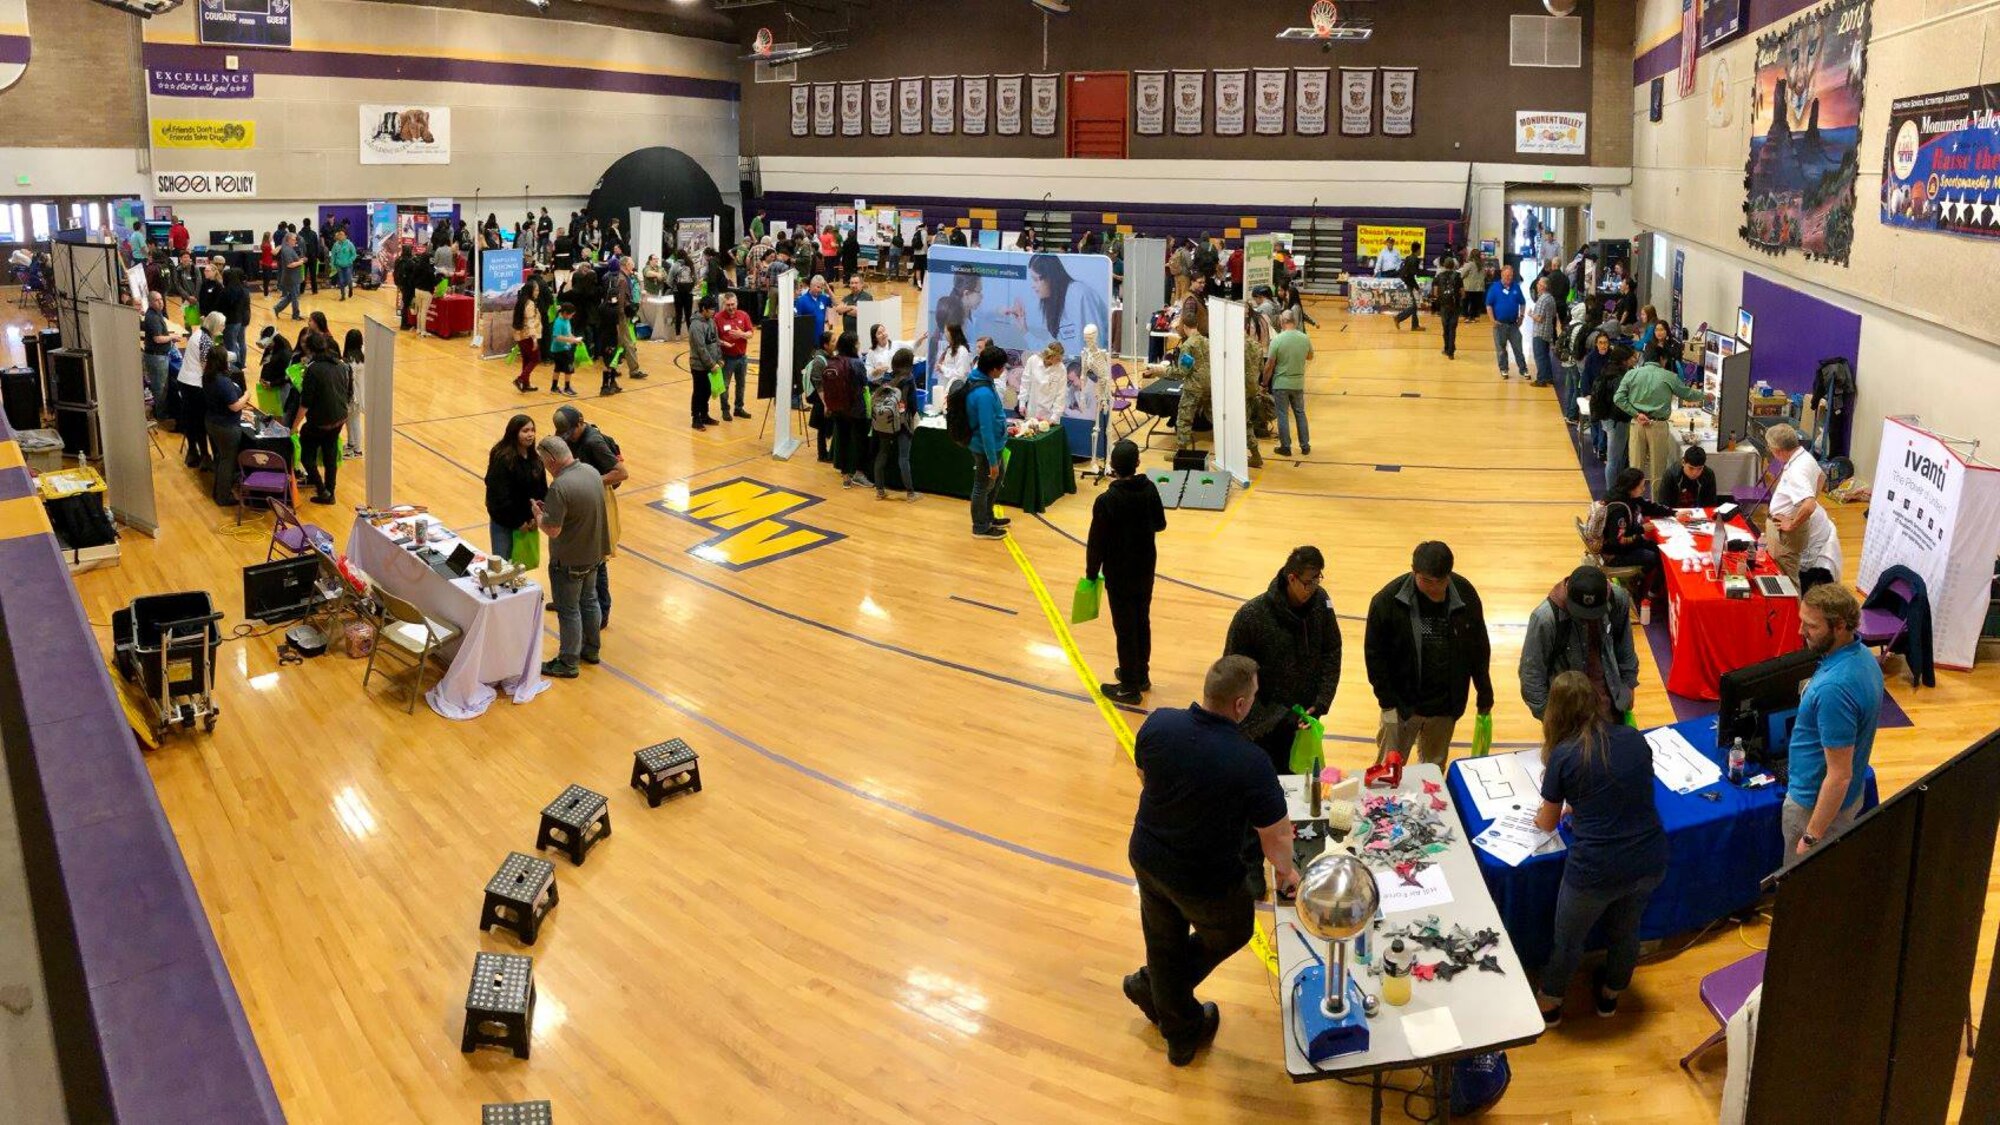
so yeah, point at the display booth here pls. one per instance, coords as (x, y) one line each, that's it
(1935, 509)
(1022, 301)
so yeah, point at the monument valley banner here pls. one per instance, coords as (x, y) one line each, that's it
(1805, 133)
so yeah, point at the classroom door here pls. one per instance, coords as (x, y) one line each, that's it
(1095, 114)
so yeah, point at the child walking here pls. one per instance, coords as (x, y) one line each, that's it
(562, 350)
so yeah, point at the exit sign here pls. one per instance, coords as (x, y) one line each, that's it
(22, 179)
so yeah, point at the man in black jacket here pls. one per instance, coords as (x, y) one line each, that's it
(309, 244)
(405, 274)
(1407, 274)
(1426, 643)
(323, 401)
(1689, 484)
(1291, 632)
(1122, 525)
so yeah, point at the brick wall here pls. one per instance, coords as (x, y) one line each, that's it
(83, 87)
(1610, 90)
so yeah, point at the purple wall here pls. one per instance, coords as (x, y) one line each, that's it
(1793, 332)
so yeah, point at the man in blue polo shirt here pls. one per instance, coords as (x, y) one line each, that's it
(815, 302)
(1203, 787)
(1835, 730)
(1507, 303)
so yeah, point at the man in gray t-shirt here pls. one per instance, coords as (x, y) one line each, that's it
(291, 274)
(1544, 316)
(579, 540)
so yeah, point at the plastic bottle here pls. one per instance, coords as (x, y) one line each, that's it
(1646, 611)
(1736, 758)
(1396, 975)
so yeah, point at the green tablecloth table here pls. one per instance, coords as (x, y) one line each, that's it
(1039, 469)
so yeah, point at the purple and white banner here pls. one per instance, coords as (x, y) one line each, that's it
(944, 105)
(1357, 101)
(1007, 91)
(881, 104)
(801, 109)
(201, 83)
(972, 99)
(1229, 86)
(823, 101)
(1268, 94)
(850, 109)
(1399, 101)
(1044, 95)
(1310, 94)
(909, 105)
(1187, 102)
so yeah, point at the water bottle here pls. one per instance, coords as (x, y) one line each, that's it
(1736, 757)
(1646, 611)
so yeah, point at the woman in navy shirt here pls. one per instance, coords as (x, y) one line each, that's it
(1617, 848)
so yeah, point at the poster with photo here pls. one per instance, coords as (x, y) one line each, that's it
(1229, 99)
(500, 279)
(909, 106)
(1399, 101)
(1941, 171)
(1187, 102)
(1268, 93)
(823, 104)
(1023, 301)
(972, 102)
(1309, 93)
(1044, 95)
(850, 109)
(405, 134)
(801, 109)
(881, 106)
(944, 105)
(1805, 133)
(1007, 94)
(1357, 101)
(1149, 100)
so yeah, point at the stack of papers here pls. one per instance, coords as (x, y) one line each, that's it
(1503, 783)
(1678, 765)
(1512, 838)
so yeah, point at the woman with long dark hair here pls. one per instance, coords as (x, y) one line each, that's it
(352, 352)
(1626, 510)
(840, 391)
(1062, 307)
(223, 404)
(514, 480)
(920, 256)
(528, 330)
(1603, 774)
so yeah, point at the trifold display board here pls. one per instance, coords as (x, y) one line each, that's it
(1145, 289)
(1937, 512)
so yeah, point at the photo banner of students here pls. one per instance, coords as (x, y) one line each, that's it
(1023, 302)
(1938, 513)
(1942, 170)
(499, 287)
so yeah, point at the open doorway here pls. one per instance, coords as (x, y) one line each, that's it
(1546, 226)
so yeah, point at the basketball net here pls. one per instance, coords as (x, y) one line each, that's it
(1325, 17)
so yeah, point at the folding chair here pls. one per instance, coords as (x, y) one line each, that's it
(261, 476)
(1723, 992)
(407, 637)
(1618, 574)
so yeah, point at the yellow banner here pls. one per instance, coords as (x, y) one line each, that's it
(169, 133)
(1369, 239)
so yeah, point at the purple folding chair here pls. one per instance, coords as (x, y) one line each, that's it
(1882, 628)
(293, 538)
(1723, 993)
(261, 476)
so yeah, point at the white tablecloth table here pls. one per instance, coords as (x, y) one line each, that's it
(500, 639)
(659, 313)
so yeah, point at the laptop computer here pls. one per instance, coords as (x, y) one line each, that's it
(458, 565)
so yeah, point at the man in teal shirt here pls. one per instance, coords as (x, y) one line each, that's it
(1285, 376)
(1835, 730)
(1647, 393)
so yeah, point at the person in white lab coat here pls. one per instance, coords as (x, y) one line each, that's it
(1045, 384)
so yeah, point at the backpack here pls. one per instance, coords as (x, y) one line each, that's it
(957, 413)
(1448, 288)
(885, 408)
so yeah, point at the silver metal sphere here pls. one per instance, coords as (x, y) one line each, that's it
(1337, 897)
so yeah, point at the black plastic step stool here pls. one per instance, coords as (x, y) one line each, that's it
(516, 1113)
(664, 770)
(515, 896)
(502, 993)
(575, 821)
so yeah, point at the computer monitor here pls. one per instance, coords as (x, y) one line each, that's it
(1751, 693)
(283, 590)
(230, 238)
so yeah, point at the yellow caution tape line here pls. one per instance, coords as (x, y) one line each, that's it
(1112, 718)
(1262, 942)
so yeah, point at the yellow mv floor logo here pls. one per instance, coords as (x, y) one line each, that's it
(748, 517)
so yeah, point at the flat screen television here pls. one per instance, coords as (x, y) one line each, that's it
(231, 238)
(1751, 693)
(282, 590)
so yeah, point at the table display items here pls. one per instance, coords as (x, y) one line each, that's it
(1337, 901)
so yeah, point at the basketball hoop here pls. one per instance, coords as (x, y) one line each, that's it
(1325, 17)
(762, 44)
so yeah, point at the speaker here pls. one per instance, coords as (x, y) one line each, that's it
(78, 427)
(38, 346)
(1194, 459)
(74, 381)
(22, 393)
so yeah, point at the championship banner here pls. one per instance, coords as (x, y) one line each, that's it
(1370, 238)
(881, 101)
(823, 104)
(972, 101)
(1044, 94)
(1269, 92)
(944, 105)
(1937, 513)
(801, 109)
(499, 285)
(1555, 132)
(850, 109)
(1357, 101)
(1399, 101)
(1942, 171)
(405, 134)
(909, 105)
(1310, 94)
(1229, 102)
(1149, 94)
(1187, 102)
(1805, 133)
(1007, 104)
(170, 133)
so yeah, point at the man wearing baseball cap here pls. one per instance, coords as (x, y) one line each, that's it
(1584, 625)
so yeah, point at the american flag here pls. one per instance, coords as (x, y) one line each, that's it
(1690, 40)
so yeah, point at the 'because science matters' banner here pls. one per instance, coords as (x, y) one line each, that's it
(1942, 168)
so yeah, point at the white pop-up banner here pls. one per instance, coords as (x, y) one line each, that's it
(786, 443)
(1938, 513)
(1228, 407)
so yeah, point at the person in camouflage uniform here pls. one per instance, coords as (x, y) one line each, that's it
(1257, 407)
(1194, 381)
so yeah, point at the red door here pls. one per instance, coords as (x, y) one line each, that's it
(1096, 113)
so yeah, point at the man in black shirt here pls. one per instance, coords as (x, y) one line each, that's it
(1203, 786)
(1426, 644)
(1122, 524)
(1689, 484)
(1292, 634)
(156, 343)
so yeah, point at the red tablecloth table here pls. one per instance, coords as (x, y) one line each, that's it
(1713, 634)
(451, 315)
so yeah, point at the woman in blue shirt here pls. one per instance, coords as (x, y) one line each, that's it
(224, 400)
(1603, 773)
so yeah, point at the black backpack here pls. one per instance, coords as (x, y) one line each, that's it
(957, 415)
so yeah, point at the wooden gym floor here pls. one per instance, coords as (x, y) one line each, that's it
(903, 894)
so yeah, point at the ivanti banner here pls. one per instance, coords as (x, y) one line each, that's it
(1942, 168)
(1938, 513)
